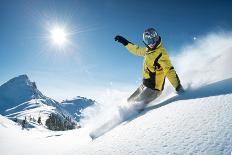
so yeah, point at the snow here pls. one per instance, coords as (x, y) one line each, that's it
(6, 123)
(38, 141)
(181, 125)
(196, 122)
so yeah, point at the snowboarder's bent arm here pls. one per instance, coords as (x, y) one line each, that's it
(140, 51)
(169, 70)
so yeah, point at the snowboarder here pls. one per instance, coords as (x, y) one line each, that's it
(156, 67)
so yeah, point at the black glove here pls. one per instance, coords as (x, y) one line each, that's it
(121, 39)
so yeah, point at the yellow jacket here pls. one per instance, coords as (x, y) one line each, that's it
(156, 66)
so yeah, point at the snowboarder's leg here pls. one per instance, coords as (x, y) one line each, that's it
(148, 95)
(143, 96)
(135, 94)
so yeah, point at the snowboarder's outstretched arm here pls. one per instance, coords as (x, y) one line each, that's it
(139, 51)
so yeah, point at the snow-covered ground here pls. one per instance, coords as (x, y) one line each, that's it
(196, 122)
(14, 141)
(189, 124)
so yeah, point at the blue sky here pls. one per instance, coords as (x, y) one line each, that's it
(93, 60)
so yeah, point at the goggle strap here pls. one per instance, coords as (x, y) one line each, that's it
(147, 46)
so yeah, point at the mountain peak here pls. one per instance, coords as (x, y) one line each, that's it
(19, 81)
(18, 90)
(23, 77)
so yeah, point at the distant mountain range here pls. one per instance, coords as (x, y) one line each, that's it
(20, 99)
(76, 106)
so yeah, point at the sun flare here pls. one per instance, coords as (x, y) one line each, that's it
(58, 36)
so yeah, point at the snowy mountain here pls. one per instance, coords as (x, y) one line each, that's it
(77, 105)
(21, 90)
(20, 99)
(17, 90)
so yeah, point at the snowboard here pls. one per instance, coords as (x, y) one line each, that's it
(104, 128)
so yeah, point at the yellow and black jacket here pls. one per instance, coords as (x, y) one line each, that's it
(156, 66)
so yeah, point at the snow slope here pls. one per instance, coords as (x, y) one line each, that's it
(198, 122)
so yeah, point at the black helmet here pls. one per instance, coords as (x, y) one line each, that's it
(150, 37)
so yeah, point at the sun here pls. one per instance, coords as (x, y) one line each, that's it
(58, 36)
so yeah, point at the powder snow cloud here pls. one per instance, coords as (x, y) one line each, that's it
(205, 61)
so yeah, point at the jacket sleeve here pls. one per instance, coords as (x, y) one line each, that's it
(169, 70)
(139, 51)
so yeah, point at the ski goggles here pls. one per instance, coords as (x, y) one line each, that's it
(150, 39)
